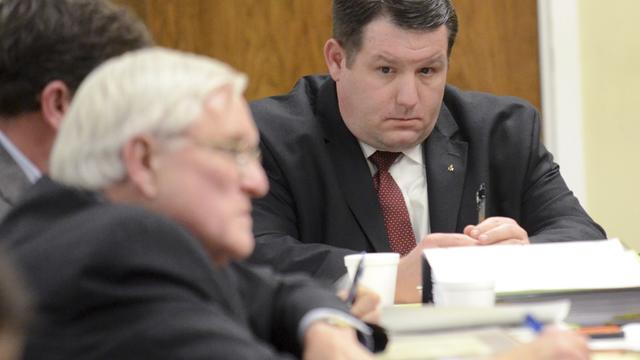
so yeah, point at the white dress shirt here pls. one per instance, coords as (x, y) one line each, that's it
(410, 174)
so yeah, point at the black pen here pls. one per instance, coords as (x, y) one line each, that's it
(481, 202)
(351, 297)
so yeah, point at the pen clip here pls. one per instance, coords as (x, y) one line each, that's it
(481, 199)
(351, 297)
(481, 195)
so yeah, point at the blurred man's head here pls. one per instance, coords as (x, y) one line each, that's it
(389, 59)
(47, 47)
(169, 131)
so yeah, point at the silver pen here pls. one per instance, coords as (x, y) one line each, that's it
(351, 297)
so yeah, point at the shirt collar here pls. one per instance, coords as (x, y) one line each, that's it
(28, 168)
(414, 154)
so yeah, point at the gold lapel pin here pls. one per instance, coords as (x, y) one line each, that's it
(450, 168)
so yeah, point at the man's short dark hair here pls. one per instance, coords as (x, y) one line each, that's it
(351, 16)
(46, 40)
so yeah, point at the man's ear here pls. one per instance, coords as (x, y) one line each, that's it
(54, 103)
(335, 57)
(138, 157)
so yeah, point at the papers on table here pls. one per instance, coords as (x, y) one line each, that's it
(590, 307)
(465, 344)
(535, 268)
(428, 332)
(429, 318)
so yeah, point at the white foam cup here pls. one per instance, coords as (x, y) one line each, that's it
(379, 273)
(467, 293)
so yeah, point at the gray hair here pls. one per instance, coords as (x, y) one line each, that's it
(155, 91)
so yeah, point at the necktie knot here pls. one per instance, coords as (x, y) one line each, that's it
(384, 159)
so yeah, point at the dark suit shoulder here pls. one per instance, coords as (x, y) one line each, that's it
(62, 216)
(83, 236)
(144, 238)
(125, 241)
(456, 98)
(482, 114)
(292, 113)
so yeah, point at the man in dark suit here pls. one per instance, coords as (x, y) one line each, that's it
(382, 155)
(132, 252)
(48, 47)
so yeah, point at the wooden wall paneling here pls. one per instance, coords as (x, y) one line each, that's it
(277, 41)
(497, 48)
(274, 41)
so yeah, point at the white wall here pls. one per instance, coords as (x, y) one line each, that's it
(610, 42)
(590, 62)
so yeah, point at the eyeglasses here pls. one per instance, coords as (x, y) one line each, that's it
(242, 156)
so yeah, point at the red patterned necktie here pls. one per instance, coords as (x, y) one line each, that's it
(394, 209)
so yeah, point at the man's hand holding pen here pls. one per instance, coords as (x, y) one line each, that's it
(366, 305)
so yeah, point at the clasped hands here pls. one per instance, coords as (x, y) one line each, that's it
(493, 230)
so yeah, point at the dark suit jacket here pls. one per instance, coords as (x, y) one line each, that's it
(13, 182)
(118, 282)
(322, 204)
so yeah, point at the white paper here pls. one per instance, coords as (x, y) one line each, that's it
(580, 265)
(429, 318)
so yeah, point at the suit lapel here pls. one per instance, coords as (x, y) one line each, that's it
(13, 182)
(446, 164)
(351, 169)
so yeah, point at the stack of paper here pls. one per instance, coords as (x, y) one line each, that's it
(536, 268)
(600, 278)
